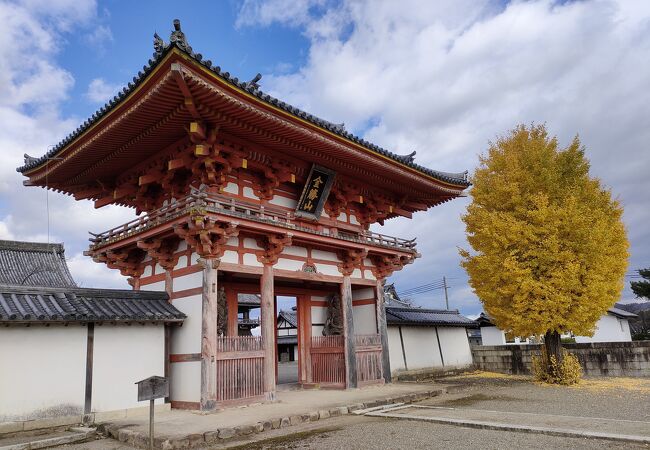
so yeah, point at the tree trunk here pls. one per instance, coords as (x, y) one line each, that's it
(553, 345)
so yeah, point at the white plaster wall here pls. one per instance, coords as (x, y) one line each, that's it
(395, 350)
(187, 338)
(363, 294)
(492, 336)
(123, 355)
(234, 241)
(182, 246)
(295, 251)
(248, 192)
(230, 256)
(42, 368)
(289, 264)
(327, 269)
(318, 314)
(609, 329)
(353, 220)
(327, 256)
(356, 273)
(158, 269)
(186, 381)
(421, 347)
(284, 201)
(251, 243)
(251, 260)
(364, 318)
(194, 259)
(190, 281)
(231, 188)
(369, 275)
(343, 217)
(455, 346)
(147, 271)
(157, 286)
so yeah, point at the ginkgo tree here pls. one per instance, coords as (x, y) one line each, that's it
(549, 248)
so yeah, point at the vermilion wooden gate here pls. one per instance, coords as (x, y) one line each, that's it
(240, 368)
(328, 360)
(369, 364)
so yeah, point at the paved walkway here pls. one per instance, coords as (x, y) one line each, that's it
(183, 429)
(549, 424)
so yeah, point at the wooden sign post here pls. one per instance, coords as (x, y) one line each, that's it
(150, 389)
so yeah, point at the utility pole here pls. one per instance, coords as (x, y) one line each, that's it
(444, 284)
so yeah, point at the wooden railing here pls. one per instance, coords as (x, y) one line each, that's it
(240, 367)
(201, 202)
(369, 361)
(328, 360)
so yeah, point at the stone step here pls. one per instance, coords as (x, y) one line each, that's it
(73, 435)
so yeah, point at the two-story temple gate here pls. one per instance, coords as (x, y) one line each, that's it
(236, 188)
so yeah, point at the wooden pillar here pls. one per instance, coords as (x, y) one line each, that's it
(209, 334)
(348, 332)
(304, 338)
(233, 312)
(268, 330)
(383, 332)
(134, 282)
(169, 283)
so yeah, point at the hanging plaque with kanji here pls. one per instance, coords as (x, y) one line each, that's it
(315, 193)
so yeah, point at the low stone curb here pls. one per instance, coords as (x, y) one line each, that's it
(78, 435)
(484, 425)
(141, 440)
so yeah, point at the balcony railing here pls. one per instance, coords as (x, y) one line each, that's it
(201, 202)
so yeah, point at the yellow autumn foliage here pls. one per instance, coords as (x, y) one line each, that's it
(549, 247)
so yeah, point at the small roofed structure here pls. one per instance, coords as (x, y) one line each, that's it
(425, 339)
(92, 344)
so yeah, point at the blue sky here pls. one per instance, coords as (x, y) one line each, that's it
(117, 56)
(442, 78)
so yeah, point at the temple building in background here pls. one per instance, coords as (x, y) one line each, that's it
(237, 192)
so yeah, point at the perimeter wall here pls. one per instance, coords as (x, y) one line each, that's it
(629, 359)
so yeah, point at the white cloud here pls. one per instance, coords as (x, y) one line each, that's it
(290, 12)
(99, 91)
(444, 78)
(32, 88)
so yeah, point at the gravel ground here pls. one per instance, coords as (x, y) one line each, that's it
(615, 398)
(354, 432)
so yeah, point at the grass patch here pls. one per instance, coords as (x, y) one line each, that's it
(286, 441)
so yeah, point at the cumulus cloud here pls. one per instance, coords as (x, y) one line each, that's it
(32, 88)
(288, 12)
(99, 91)
(444, 78)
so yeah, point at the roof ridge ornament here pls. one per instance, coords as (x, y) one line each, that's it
(178, 37)
(158, 44)
(408, 158)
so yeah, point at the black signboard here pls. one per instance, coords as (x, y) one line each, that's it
(315, 193)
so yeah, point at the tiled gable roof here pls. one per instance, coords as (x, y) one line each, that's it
(177, 41)
(427, 317)
(289, 316)
(31, 304)
(34, 264)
